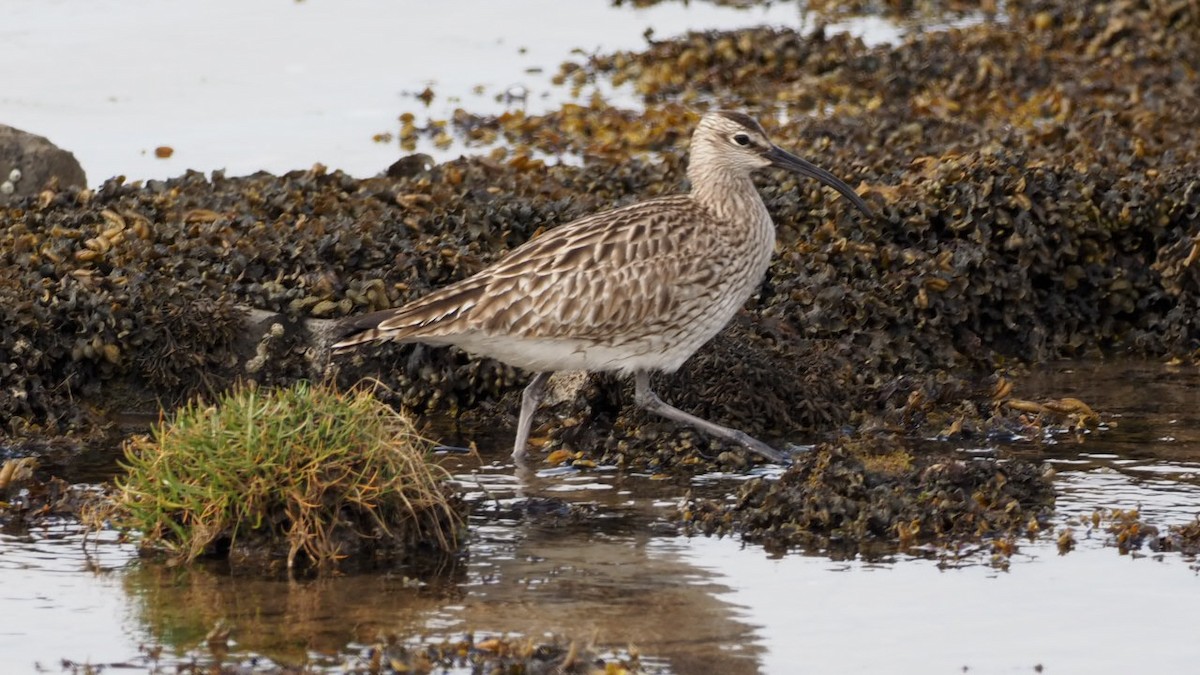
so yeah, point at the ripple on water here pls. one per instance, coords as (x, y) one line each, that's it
(59, 546)
(60, 596)
(1164, 502)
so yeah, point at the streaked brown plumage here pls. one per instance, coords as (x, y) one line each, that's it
(634, 290)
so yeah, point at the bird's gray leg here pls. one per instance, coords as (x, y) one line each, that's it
(648, 400)
(531, 398)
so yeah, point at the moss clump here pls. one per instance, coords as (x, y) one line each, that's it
(305, 472)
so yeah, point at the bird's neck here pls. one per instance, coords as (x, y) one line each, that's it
(728, 195)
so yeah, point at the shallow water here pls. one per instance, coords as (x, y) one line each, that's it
(621, 574)
(1150, 457)
(278, 85)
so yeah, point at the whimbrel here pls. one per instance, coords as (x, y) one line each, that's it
(634, 290)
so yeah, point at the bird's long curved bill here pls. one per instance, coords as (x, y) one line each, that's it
(786, 160)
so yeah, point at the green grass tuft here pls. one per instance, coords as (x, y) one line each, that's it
(308, 471)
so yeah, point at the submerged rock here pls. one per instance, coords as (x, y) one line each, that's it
(872, 497)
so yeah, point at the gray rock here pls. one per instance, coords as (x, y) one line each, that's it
(29, 161)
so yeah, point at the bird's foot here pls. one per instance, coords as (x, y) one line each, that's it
(759, 448)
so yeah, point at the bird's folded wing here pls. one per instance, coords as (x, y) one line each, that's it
(620, 272)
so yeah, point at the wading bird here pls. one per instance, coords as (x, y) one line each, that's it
(633, 290)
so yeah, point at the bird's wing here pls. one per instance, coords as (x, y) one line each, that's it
(609, 274)
(615, 273)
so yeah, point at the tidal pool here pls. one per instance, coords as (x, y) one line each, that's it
(595, 555)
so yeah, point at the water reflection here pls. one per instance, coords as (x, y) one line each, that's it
(289, 621)
(534, 569)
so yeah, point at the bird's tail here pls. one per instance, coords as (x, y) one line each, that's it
(436, 315)
(357, 330)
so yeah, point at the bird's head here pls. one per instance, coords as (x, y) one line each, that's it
(728, 141)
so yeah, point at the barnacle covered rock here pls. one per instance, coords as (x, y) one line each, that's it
(869, 497)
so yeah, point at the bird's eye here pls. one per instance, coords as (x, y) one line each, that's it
(741, 139)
